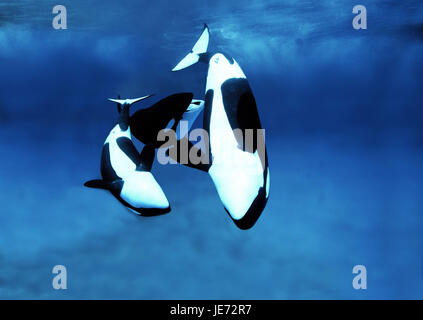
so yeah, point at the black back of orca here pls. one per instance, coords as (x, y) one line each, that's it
(146, 123)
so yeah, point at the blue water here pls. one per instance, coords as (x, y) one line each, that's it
(342, 109)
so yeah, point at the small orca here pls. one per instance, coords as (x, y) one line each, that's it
(126, 173)
(241, 175)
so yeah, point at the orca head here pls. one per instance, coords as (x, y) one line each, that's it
(253, 213)
(142, 191)
(250, 217)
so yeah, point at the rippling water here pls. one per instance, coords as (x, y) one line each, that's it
(343, 115)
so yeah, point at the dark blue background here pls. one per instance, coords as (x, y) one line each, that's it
(343, 116)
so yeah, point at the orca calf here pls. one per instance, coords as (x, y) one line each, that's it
(240, 174)
(126, 173)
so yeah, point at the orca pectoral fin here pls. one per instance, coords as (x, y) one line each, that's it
(97, 184)
(147, 123)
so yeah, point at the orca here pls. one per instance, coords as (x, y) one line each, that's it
(127, 173)
(241, 175)
(165, 114)
(177, 112)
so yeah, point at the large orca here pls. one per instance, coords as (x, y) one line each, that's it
(126, 173)
(240, 174)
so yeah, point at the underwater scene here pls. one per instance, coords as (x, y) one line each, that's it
(341, 103)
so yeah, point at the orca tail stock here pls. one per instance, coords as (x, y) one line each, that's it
(119, 106)
(200, 48)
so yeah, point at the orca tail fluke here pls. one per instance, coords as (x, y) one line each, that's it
(129, 101)
(97, 184)
(199, 48)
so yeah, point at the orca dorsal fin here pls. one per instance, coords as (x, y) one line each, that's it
(97, 184)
